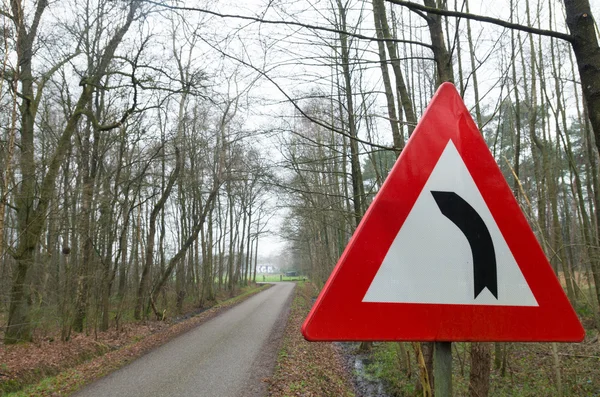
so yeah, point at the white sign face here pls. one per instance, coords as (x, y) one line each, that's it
(431, 260)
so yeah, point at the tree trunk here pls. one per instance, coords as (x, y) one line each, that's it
(442, 57)
(356, 174)
(19, 327)
(149, 257)
(89, 168)
(479, 380)
(162, 280)
(387, 85)
(587, 52)
(517, 112)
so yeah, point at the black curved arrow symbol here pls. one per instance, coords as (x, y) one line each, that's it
(470, 223)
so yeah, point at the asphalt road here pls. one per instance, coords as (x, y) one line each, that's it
(225, 357)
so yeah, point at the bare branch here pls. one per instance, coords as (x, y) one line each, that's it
(457, 14)
(7, 15)
(289, 23)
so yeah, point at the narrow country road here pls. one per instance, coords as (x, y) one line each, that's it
(227, 356)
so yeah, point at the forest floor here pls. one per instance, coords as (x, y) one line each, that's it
(50, 367)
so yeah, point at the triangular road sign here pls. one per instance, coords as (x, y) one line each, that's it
(444, 252)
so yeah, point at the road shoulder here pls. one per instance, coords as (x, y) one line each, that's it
(264, 365)
(307, 368)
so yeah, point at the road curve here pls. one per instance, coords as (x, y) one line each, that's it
(224, 357)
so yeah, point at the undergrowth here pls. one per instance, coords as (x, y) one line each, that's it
(530, 369)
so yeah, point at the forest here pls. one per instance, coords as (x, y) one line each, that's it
(149, 150)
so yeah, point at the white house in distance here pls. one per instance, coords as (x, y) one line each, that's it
(267, 268)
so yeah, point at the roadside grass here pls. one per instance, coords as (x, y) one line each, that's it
(48, 381)
(62, 384)
(270, 278)
(304, 368)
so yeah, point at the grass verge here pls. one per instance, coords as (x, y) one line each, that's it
(269, 278)
(307, 368)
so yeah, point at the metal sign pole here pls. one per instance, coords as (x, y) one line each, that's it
(442, 369)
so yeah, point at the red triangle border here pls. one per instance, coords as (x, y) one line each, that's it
(340, 314)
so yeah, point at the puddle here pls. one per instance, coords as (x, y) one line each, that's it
(364, 384)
